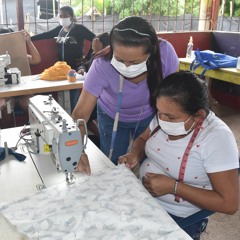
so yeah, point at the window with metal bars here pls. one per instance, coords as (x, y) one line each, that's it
(100, 15)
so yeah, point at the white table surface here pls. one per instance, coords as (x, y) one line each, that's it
(33, 85)
(30, 85)
(19, 180)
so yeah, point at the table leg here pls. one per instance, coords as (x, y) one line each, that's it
(64, 100)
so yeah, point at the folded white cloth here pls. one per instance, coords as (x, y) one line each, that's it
(111, 204)
(80, 77)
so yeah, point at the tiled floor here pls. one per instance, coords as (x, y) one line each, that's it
(221, 226)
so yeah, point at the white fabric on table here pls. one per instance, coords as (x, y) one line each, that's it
(111, 204)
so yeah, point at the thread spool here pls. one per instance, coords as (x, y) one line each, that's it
(71, 75)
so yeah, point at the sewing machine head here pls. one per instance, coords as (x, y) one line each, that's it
(53, 130)
(8, 75)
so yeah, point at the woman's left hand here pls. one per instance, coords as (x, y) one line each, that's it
(158, 184)
(129, 159)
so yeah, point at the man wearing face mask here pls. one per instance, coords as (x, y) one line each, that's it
(70, 38)
(122, 82)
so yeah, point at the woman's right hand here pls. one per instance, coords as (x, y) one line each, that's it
(129, 159)
(83, 165)
(27, 36)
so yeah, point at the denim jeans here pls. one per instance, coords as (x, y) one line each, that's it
(194, 230)
(125, 130)
(74, 95)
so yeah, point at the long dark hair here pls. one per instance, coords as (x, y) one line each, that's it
(134, 32)
(104, 38)
(186, 89)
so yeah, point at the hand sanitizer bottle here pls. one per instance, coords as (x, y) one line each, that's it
(190, 48)
(238, 64)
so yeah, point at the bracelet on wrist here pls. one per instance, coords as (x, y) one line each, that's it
(175, 187)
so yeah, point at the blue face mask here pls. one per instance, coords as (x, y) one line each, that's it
(131, 71)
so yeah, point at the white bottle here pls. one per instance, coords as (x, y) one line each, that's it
(189, 53)
(7, 58)
(238, 64)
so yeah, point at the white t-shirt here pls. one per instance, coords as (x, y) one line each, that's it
(214, 150)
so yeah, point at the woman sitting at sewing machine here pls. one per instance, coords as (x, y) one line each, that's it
(188, 156)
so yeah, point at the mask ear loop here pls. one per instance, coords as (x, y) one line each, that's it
(190, 129)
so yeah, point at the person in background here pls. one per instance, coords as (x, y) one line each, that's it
(21, 102)
(34, 58)
(99, 42)
(122, 83)
(183, 163)
(70, 38)
(33, 54)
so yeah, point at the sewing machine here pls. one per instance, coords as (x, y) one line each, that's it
(54, 131)
(8, 75)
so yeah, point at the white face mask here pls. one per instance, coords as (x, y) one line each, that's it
(65, 22)
(131, 71)
(174, 128)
